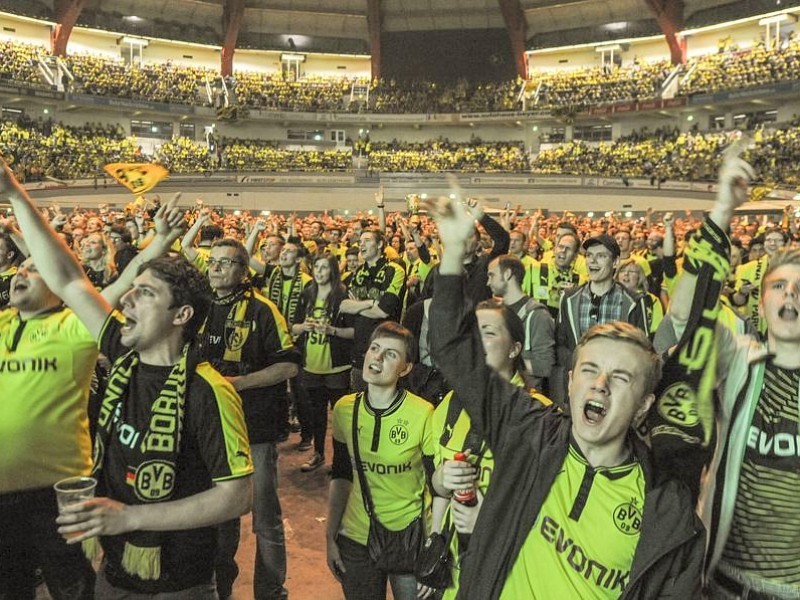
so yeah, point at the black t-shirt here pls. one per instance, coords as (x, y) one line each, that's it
(213, 448)
(5, 285)
(266, 342)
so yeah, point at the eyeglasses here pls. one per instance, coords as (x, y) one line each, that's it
(224, 263)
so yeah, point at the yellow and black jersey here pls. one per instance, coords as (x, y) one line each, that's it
(454, 437)
(545, 282)
(765, 529)
(245, 334)
(5, 285)
(213, 447)
(46, 365)
(383, 282)
(318, 355)
(392, 443)
(585, 535)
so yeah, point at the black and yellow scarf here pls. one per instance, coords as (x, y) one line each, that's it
(288, 305)
(151, 462)
(237, 328)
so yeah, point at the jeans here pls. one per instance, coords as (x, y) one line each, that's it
(270, 567)
(29, 539)
(106, 591)
(362, 580)
(322, 391)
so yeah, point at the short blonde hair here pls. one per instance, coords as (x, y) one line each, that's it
(625, 332)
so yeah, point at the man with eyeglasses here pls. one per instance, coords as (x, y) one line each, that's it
(124, 250)
(246, 338)
(600, 300)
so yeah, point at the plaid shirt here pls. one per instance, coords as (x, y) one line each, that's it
(593, 310)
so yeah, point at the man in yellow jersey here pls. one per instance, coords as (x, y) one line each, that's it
(46, 362)
(749, 498)
(575, 509)
(547, 280)
(171, 454)
(246, 339)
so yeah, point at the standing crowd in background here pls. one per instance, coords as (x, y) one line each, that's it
(521, 405)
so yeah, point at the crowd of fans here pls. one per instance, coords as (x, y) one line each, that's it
(548, 329)
(600, 85)
(736, 69)
(44, 149)
(18, 62)
(560, 91)
(691, 156)
(430, 97)
(313, 93)
(162, 82)
(441, 155)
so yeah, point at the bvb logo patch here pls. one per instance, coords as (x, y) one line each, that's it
(398, 435)
(628, 519)
(678, 405)
(154, 480)
(236, 334)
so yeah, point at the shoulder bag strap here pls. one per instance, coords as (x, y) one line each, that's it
(362, 478)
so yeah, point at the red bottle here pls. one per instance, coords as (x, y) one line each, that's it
(467, 496)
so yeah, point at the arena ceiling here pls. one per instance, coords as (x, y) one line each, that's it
(348, 18)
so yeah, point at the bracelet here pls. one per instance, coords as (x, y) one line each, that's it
(381, 205)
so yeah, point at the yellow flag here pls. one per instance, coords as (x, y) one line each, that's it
(759, 193)
(137, 177)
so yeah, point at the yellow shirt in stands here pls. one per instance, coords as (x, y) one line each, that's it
(584, 538)
(46, 365)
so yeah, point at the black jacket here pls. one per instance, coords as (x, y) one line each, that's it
(529, 444)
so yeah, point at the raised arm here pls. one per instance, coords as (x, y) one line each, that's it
(250, 246)
(55, 262)
(499, 236)
(734, 176)
(381, 206)
(455, 339)
(168, 227)
(187, 243)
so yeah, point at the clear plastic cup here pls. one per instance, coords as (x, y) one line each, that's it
(73, 490)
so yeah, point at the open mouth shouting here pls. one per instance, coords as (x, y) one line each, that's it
(594, 411)
(788, 312)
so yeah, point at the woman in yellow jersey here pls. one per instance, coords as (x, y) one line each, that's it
(503, 337)
(631, 275)
(324, 337)
(382, 458)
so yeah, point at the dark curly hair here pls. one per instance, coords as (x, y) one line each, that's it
(187, 285)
